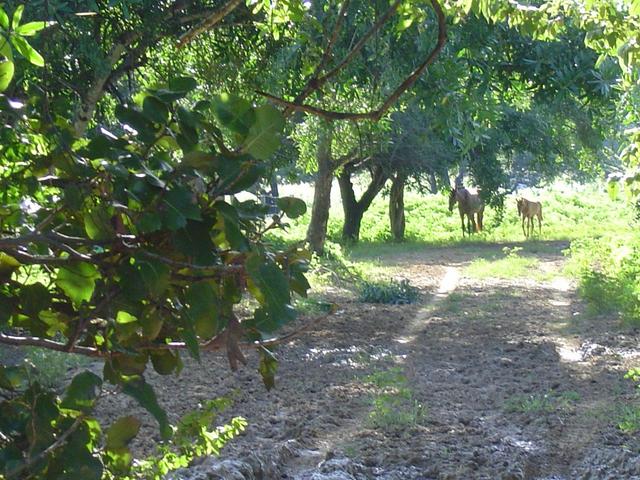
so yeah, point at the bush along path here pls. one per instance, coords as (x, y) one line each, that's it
(489, 376)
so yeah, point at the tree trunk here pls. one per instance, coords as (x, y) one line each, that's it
(396, 207)
(354, 209)
(317, 231)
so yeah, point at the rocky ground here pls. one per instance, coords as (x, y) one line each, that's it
(482, 379)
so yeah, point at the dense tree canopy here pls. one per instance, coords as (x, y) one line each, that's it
(130, 125)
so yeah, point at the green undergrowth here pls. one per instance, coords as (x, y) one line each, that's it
(608, 271)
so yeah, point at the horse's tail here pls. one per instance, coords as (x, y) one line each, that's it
(541, 213)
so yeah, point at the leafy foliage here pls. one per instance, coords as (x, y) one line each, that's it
(121, 246)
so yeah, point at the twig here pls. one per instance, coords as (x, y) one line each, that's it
(48, 344)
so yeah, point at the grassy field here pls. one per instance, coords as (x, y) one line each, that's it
(604, 253)
(570, 212)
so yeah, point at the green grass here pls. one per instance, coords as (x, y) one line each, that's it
(394, 405)
(541, 403)
(629, 419)
(570, 212)
(508, 267)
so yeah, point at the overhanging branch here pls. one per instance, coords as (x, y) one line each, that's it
(374, 115)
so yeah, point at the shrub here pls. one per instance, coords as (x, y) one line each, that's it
(393, 292)
(609, 275)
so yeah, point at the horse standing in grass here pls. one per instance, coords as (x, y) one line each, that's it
(469, 204)
(528, 209)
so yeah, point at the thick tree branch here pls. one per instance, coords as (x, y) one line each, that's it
(213, 344)
(209, 22)
(374, 115)
(312, 84)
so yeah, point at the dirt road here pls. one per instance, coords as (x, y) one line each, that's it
(483, 379)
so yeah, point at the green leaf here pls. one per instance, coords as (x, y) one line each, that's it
(190, 338)
(203, 310)
(154, 275)
(263, 138)
(97, 224)
(137, 121)
(138, 389)
(17, 16)
(82, 392)
(144, 279)
(291, 206)
(27, 51)
(5, 48)
(234, 112)
(80, 463)
(165, 362)
(123, 318)
(155, 109)
(31, 28)
(194, 241)
(183, 84)
(267, 368)
(7, 70)
(4, 20)
(238, 176)
(199, 160)
(228, 222)
(78, 281)
(273, 285)
(34, 298)
(149, 222)
(122, 431)
(178, 205)
(8, 264)
(130, 364)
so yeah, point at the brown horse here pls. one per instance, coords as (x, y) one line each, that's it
(528, 209)
(469, 204)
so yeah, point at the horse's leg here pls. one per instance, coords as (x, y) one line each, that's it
(473, 223)
(540, 224)
(480, 216)
(462, 221)
(523, 231)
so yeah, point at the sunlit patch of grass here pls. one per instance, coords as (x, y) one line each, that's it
(312, 306)
(508, 267)
(394, 405)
